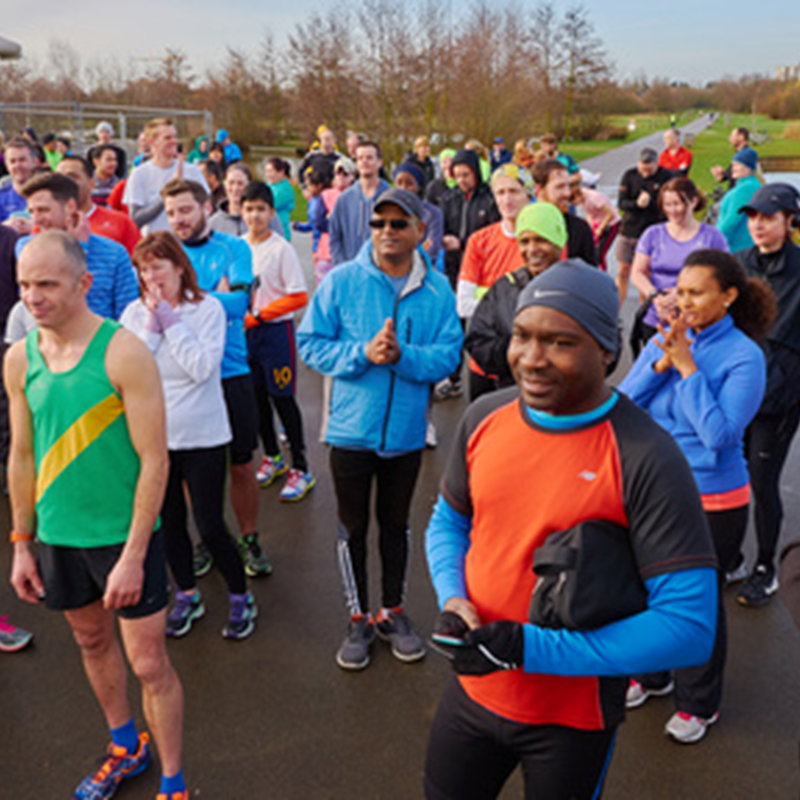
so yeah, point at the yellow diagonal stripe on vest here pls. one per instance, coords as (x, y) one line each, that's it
(80, 435)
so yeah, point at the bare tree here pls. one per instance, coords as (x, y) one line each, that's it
(546, 35)
(586, 60)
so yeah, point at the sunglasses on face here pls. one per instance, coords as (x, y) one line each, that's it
(399, 224)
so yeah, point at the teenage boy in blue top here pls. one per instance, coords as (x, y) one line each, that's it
(385, 327)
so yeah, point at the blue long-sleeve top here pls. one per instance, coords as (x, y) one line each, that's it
(707, 412)
(349, 221)
(676, 630)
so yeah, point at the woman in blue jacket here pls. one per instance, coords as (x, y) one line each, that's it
(703, 381)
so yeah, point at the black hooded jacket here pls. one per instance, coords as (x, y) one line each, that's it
(465, 214)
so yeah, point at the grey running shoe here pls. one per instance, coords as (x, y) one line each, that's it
(13, 639)
(638, 695)
(187, 609)
(759, 586)
(202, 560)
(446, 389)
(354, 652)
(396, 629)
(688, 729)
(256, 561)
(241, 622)
(736, 575)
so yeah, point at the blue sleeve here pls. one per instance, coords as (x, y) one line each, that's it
(720, 419)
(236, 303)
(240, 266)
(303, 227)
(677, 630)
(319, 216)
(437, 358)
(729, 213)
(642, 383)
(335, 228)
(126, 288)
(446, 544)
(436, 234)
(319, 341)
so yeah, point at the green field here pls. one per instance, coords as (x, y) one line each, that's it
(711, 147)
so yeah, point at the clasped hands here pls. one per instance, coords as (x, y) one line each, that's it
(383, 348)
(675, 348)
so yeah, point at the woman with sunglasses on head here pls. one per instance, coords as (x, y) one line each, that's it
(702, 379)
(185, 330)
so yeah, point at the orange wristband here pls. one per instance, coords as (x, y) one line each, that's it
(21, 537)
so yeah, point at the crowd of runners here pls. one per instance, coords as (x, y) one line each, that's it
(149, 317)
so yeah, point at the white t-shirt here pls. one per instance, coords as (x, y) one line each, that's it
(19, 324)
(189, 356)
(277, 271)
(145, 184)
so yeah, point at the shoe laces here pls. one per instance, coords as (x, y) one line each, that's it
(183, 603)
(116, 755)
(295, 478)
(240, 609)
(252, 544)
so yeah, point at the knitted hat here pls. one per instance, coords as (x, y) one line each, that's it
(413, 171)
(545, 220)
(747, 157)
(583, 293)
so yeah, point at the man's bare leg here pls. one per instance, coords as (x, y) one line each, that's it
(162, 693)
(623, 279)
(95, 633)
(245, 496)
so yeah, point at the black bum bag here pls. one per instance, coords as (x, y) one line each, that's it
(586, 577)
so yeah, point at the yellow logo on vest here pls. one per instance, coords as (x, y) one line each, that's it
(80, 435)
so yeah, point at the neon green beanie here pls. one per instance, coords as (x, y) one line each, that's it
(545, 220)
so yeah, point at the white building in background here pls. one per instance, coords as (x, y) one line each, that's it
(9, 49)
(787, 74)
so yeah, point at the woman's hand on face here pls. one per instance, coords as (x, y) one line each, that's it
(152, 297)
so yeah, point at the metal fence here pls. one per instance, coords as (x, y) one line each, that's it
(79, 120)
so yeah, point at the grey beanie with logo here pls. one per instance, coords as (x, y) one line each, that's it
(584, 293)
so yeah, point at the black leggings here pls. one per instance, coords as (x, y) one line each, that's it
(698, 690)
(353, 472)
(289, 414)
(203, 471)
(767, 444)
(472, 753)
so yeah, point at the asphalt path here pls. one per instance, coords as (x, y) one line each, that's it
(274, 717)
(612, 164)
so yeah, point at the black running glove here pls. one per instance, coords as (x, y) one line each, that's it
(490, 648)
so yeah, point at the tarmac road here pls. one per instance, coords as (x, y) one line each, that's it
(274, 717)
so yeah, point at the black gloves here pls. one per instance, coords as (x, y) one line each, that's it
(490, 648)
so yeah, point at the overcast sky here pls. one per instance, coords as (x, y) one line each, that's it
(679, 40)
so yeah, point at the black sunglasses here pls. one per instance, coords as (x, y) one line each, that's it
(399, 224)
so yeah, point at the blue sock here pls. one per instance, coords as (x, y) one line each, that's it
(126, 736)
(170, 786)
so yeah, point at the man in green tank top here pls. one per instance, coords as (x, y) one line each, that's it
(87, 472)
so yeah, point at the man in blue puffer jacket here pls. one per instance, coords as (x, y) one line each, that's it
(385, 327)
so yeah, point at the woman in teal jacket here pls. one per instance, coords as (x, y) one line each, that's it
(733, 225)
(277, 172)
